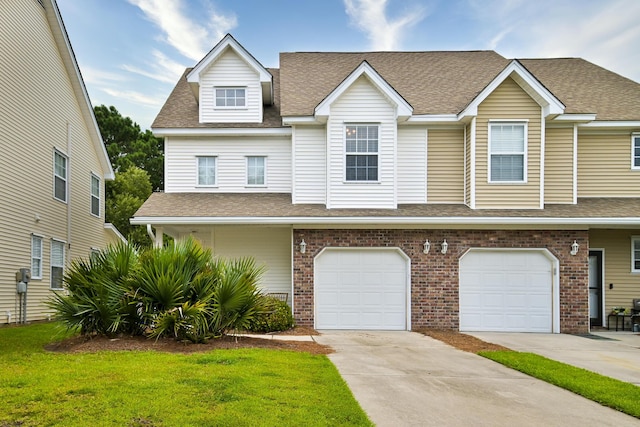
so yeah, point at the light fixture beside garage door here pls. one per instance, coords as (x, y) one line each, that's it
(303, 246)
(574, 248)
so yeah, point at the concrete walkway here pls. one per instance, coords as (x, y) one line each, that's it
(407, 379)
(613, 354)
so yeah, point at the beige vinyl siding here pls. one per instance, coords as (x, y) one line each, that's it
(231, 152)
(412, 165)
(604, 166)
(39, 114)
(508, 102)
(445, 169)
(268, 246)
(310, 174)
(362, 103)
(558, 178)
(617, 266)
(229, 70)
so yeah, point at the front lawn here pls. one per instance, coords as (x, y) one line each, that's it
(610, 392)
(240, 387)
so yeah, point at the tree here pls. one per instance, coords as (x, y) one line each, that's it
(124, 196)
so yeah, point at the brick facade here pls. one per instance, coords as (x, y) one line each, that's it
(434, 276)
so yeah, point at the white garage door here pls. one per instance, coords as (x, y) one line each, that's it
(506, 291)
(361, 289)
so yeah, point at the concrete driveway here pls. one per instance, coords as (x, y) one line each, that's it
(407, 379)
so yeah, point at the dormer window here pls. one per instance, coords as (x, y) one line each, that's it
(230, 97)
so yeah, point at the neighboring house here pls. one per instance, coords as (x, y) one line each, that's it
(53, 164)
(397, 190)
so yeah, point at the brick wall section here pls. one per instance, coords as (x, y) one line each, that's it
(434, 276)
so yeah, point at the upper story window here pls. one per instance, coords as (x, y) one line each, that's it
(635, 151)
(36, 257)
(507, 152)
(57, 264)
(256, 170)
(60, 163)
(230, 97)
(361, 148)
(95, 195)
(635, 254)
(207, 171)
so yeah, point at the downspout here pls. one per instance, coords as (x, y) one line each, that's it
(150, 233)
(69, 161)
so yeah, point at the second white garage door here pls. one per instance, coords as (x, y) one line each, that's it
(361, 289)
(506, 290)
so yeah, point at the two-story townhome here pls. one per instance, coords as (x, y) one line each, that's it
(53, 163)
(397, 190)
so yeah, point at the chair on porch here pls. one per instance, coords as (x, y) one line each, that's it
(635, 312)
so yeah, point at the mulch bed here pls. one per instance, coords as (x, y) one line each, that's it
(461, 341)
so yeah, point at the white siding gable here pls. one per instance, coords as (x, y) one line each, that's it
(230, 70)
(412, 165)
(310, 164)
(231, 152)
(362, 103)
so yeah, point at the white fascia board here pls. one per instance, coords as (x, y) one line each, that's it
(163, 132)
(434, 119)
(302, 120)
(575, 118)
(77, 82)
(403, 108)
(228, 41)
(611, 124)
(550, 104)
(388, 221)
(112, 228)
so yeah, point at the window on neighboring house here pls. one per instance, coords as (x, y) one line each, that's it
(507, 152)
(57, 264)
(230, 97)
(206, 171)
(635, 254)
(95, 195)
(635, 154)
(361, 147)
(256, 170)
(60, 164)
(36, 257)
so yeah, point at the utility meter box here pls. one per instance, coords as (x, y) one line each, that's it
(23, 275)
(22, 287)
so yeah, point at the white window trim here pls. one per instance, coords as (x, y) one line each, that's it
(345, 153)
(66, 178)
(215, 174)
(523, 122)
(51, 265)
(33, 276)
(634, 136)
(246, 180)
(230, 107)
(92, 196)
(633, 264)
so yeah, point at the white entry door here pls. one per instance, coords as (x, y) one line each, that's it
(361, 289)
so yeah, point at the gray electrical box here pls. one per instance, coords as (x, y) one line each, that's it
(22, 287)
(23, 275)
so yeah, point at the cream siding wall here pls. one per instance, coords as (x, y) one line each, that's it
(38, 115)
(362, 103)
(310, 164)
(231, 152)
(229, 70)
(412, 165)
(268, 246)
(617, 266)
(446, 166)
(558, 182)
(604, 166)
(508, 102)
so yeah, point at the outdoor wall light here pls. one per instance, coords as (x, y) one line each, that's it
(445, 246)
(303, 246)
(574, 248)
(427, 246)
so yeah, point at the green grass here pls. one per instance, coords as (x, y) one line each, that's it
(244, 387)
(616, 394)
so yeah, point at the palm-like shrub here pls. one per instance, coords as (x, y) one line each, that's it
(276, 317)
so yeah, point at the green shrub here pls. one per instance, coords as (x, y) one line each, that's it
(276, 317)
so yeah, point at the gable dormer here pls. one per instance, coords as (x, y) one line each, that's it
(231, 85)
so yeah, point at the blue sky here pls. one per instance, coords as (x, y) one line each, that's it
(131, 52)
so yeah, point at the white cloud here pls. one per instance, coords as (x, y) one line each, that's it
(188, 36)
(161, 68)
(383, 33)
(134, 97)
(94, 76)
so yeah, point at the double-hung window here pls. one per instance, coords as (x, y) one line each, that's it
(57, 264)
(256, 170)
(507, 151)
(36, 257)
(60, 164)
(207, 171)
(230, 97)
(635, 254)
(361, 150)
(635, 151)
(95, 195)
